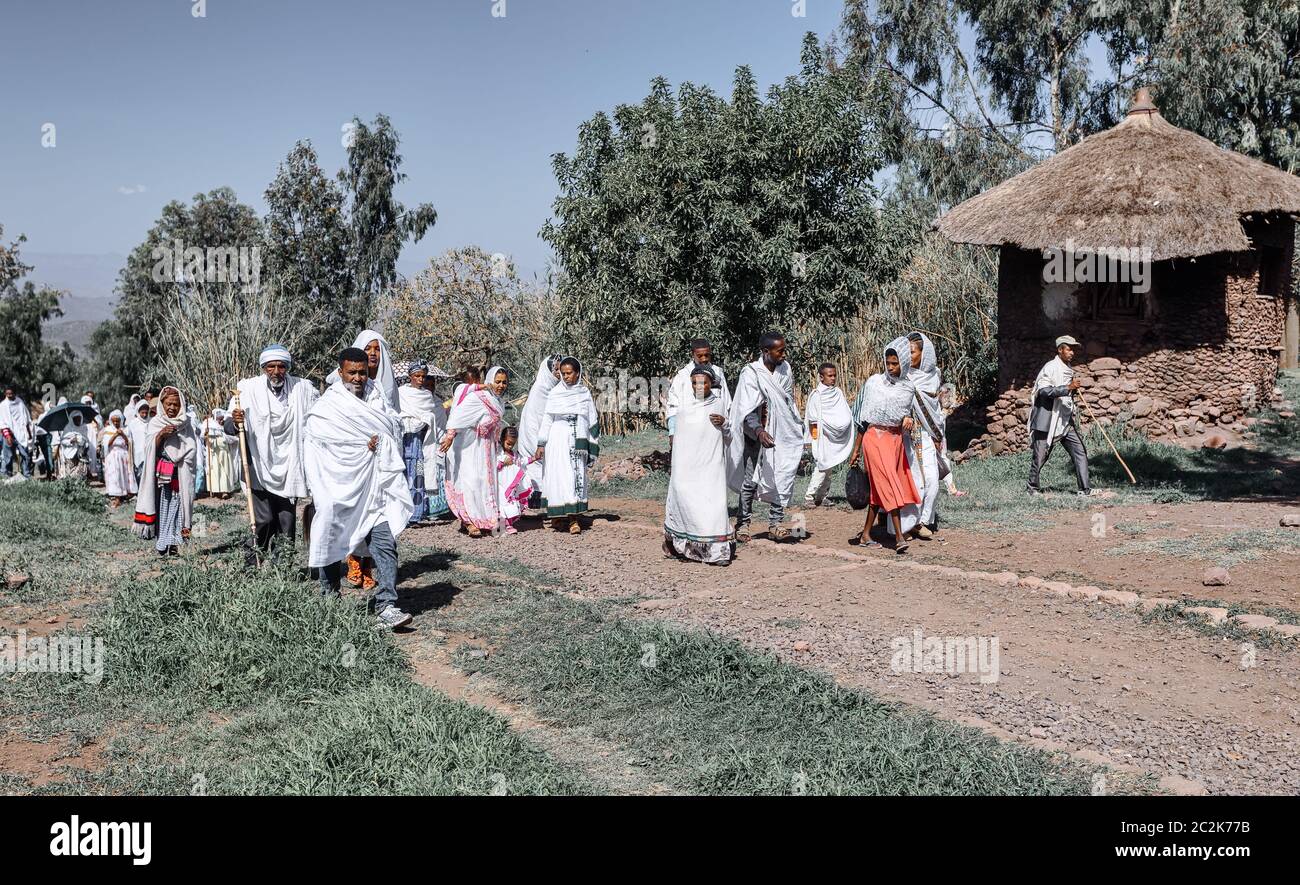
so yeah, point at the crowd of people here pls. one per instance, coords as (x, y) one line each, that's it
(380, 450)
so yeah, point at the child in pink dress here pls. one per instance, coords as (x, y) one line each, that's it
(513, 485)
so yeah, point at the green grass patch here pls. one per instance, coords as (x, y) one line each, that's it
(250, 681)
(1227, 550)
(713, 717)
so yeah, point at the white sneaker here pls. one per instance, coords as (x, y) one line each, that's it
(391, 618)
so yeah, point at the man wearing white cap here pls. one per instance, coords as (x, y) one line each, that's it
(1052, 417)
(271, 409)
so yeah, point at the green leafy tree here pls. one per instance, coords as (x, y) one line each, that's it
(380, 224)
(26, 361)
(306, 255)
(689, 214)
(128, 350)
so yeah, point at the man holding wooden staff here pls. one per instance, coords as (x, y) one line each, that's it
(1052, 417)
(271, 408)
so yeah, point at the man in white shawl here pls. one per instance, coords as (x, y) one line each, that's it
(271, 409)
(695, 515)
(680, 391)
(471, 445)
(827, 430)
(568, 443)
(358, 484)
(423, 422)
(222, 458)
(16, 428)
(530, 419)
(767, 438)
(1052, 417)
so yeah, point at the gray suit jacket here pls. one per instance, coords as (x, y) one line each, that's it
(1040, 418)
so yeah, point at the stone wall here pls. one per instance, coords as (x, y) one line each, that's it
(1204, 354)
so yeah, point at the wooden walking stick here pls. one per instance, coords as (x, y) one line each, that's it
(1079, 394)
(248, 471)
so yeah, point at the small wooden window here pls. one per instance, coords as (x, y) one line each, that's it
(1115, 301)
(1271, 271)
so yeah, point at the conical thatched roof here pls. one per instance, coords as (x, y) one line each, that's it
(1143, 183)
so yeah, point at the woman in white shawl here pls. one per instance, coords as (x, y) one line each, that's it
(471, 445)
(137, 430)
(72, 449)
(568, 442)
(379, 367)
(924, 442)
(222, 461)
(423, 420)
(164, 509)
(119, 472)
(695, 515)
(530, 419)
(883, 413)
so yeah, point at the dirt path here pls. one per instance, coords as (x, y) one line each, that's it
(1093, 680)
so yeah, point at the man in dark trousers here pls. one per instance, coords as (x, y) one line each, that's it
(1052, 417)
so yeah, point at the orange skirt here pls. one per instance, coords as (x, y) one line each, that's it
(891, 479)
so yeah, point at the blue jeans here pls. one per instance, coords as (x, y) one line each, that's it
(383, 550)
(24, 459)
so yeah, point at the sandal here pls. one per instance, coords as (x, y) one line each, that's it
(474, 531)
(778, 533)
(742, 536)
(900, 549)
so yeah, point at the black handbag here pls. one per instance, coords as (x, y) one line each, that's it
(857, 488)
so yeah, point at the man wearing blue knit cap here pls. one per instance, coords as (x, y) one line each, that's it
(271, 409)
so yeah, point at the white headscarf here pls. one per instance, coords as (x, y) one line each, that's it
(572, 399)
(530, 419)
(885, 400)
(384, 377)
(926, 379)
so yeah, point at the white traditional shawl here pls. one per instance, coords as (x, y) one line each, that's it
(681, 390)
(471, 474)
(696, 509)
(17, 419)
(384, 378)
(530, 419)
(926, 381)
(1055, 374)
(353, 488)
(274, 433)
(777, 466)
(181, 448)
(420, 405)
(834, 443)
(885, 400)
(137, 430)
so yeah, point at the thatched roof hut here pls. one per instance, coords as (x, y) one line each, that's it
(1144, 182)
(1198, 243)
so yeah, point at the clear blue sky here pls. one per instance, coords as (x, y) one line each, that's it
(144, 94)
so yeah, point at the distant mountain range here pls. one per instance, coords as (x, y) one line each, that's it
(87, 282)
